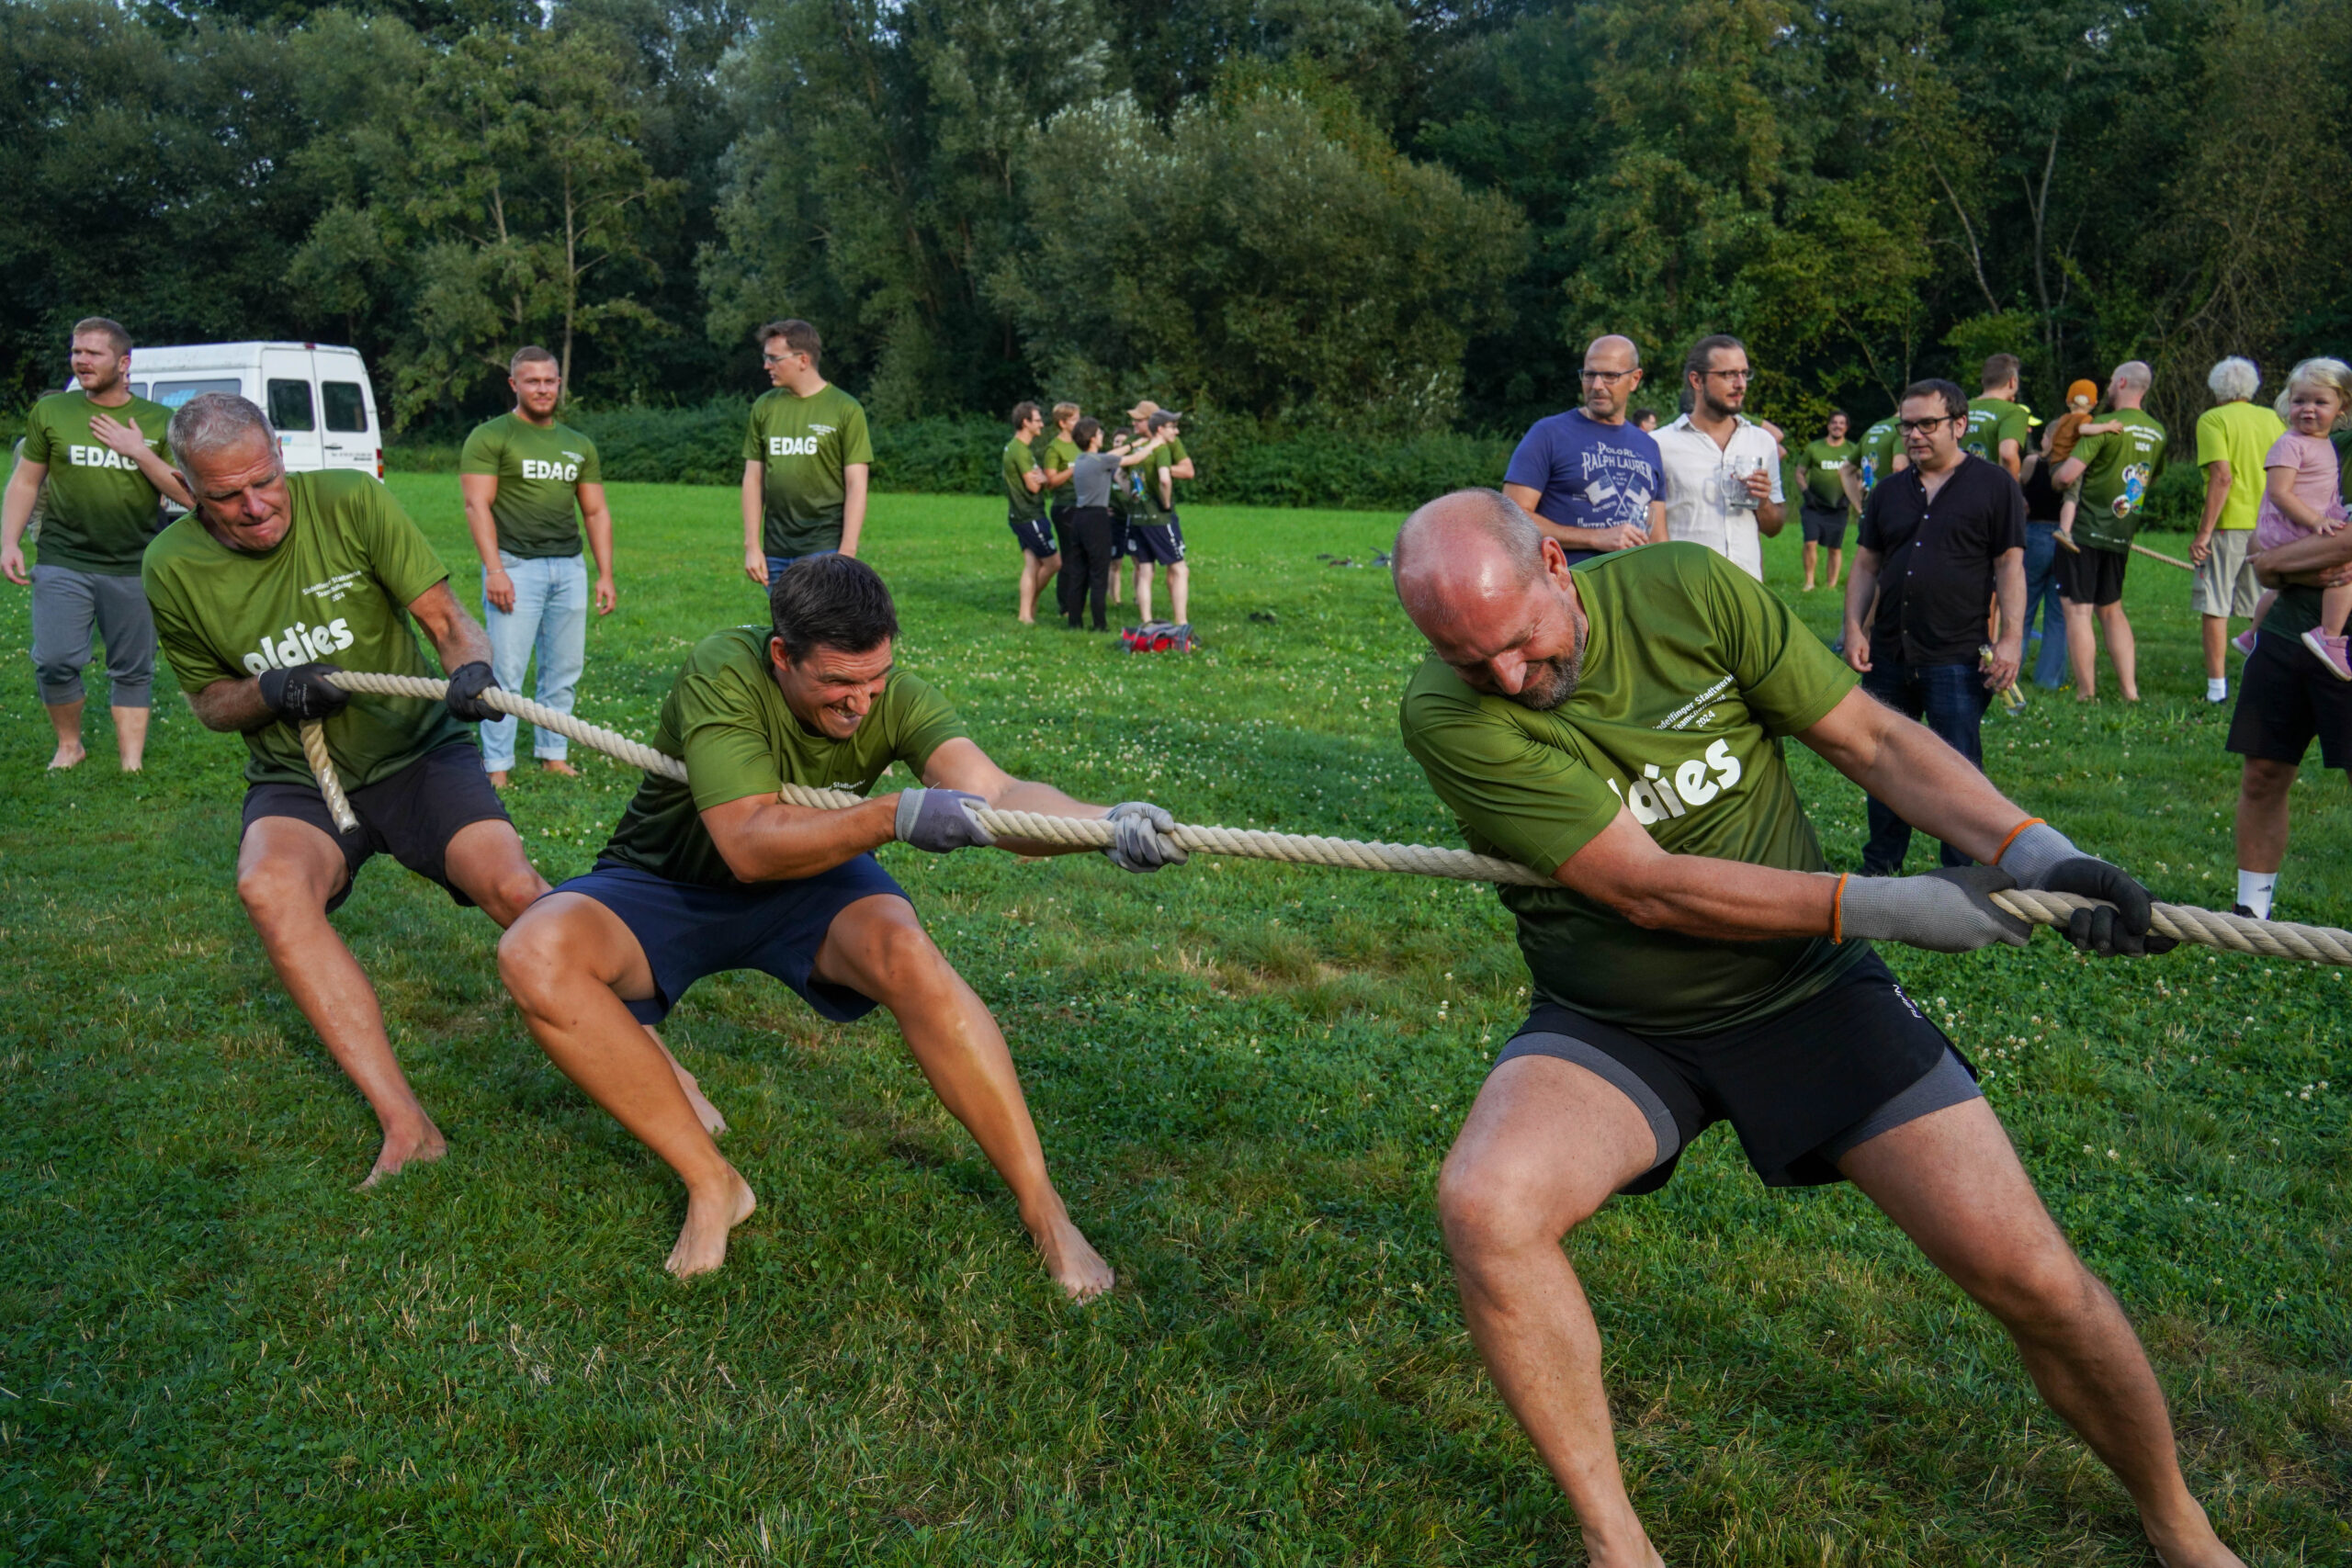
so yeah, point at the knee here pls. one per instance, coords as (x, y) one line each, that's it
(2265, 781)
(1486, 1212)
(532, 962)
(271, 889)
(2033, 1290)
(514, 891)
(898, 959)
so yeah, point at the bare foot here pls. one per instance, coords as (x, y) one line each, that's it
(497, 778)
(1075, 1266)
(69, 755)
(2190, 1542)
(701, 1241)
(559, 767)
(418, 1146)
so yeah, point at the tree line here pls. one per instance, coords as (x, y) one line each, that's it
(1371, 219)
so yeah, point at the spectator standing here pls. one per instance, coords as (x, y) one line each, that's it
(1824, 512)
(2000, 428)
(1096, 478)
(1878, 458)
(2234, 437)
(105, 458)
(1647, 422)
(1059, 454)
(1723, 471)
(2116, 470)
(529, 483)
(807, 457)
(1588, 479)
(2043, 507)
(1156, 535)
(1938, 543)
(1024, 495)
(1129, 507)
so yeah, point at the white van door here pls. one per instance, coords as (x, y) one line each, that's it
(291, 398)
(347, 413)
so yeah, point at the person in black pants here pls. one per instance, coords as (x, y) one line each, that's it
(1093, 472)
(1939, 542)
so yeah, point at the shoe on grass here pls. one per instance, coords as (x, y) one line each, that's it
(2244, 641)
(2330, 651)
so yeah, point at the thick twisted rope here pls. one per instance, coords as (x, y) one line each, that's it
(2235, 933)
(314, 751)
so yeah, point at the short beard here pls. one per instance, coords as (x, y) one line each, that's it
(1551, 681)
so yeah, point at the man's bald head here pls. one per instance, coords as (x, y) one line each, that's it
(1468, 539)
(1612, 369)
(1493, 597)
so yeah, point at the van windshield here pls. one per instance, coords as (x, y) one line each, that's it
(172, 394)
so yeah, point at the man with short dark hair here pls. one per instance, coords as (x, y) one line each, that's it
(1938, 542)
(530, 482)
(1620, 728)
(721, 873)
(1128, 506)
(1591, 479)
(103, 458)
(1155, 534)
(2117, 472)
(807, 457)
(1723, 471)
(2000, 428)
(1821, 475)
(1056, 460)
(1024, 498)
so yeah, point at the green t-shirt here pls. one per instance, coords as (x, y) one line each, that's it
(2118, 469)
(2240, 435)
(1018, 461)
(1877, 451)
(1992, 421)
(1692, 674)
(336, 588)
(540, 470)
(805, 444)
(1147, 507)
(1061, 454)
(99, 511)
(1825, 467)
(727, 719)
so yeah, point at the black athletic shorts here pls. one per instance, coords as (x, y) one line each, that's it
(1801, 1089)
(2094, 577)
(409, 816)
(1827, 529)
(1032, 534)
(1160, 544)
(2286, 697)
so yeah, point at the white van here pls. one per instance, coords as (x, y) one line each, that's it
(317, 395)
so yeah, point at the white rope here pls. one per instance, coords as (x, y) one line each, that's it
(2235, 933)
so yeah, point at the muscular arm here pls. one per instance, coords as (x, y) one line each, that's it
(16, 512)
(961, 764)
(755, 564)
(596, 516)
(456, 639)
(2068, 472)
(1722, 901)
(1902, 764)
(1182, 470)
(2315, 560)
(480, 493)
(231, 707)
(2011, 460)
(854, 479)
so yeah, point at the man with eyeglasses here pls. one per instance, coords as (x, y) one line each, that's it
(806, 459)
(1938, 542)
(1590, 479)
(1723, 471)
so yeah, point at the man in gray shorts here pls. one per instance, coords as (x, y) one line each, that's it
(1619, 727)
(104, 458)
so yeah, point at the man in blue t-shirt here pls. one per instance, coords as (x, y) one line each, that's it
(1588, 479)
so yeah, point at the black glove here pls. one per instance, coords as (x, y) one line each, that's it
(2042, 857)
(302, 694)
(467, 683)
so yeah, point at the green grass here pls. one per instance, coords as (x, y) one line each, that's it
(213, 1349)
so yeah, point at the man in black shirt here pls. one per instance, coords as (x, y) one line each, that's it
(1939, 542)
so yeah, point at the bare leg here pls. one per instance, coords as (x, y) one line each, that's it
(1047, 569)
(287, 870)
(1143, 591)
(1546, 1145)
(130, 738)
(1955, 1185)
(705, 1112)
(569, 963)
(66, 719)
(2216, 633)
(1812, 556)
(1836, 563)
(877, 948)
(1027, 612)
(1179, 583)
(2261, 814)
(2116, 626)
(2082, 650)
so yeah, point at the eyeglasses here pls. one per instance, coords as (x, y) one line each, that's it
(777, 358)
(1921, 427)
(1606, 375)
(1734, 375)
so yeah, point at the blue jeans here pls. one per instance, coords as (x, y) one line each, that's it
(2041, 593)
(549, 617)
(1950, 699)
(777, 563)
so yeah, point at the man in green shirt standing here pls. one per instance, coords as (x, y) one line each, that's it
(268, 578)
(1130, 502)
(1060, 461)
(2116, 472)
(1878, 456)
(1155, 534)
(1821, 471)
(1619, 727)
(2000, 428)
(807, 457)
(721, 873)
(104, 458)
(1024, 498)
(529, 483)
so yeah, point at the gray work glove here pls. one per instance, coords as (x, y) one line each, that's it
(2043, 858)
(941, 819)
(1141, 845)
(1945, 911)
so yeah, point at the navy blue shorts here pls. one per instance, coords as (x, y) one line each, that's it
(1160, 544)
(1032, 534)
(689, 930)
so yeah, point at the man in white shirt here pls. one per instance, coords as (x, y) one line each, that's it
(1723, 471)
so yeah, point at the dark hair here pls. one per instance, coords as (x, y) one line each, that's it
(798, 335)
(1022, 412)
(1164, 417)
(1999, 370)
(1955, 400)
(1085, 430)
(94, 326)
(1838, 414)
(831, 601)
(1695, 362)
(530, 354)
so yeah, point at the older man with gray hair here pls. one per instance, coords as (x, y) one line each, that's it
(2232, 438)
(1619, 727)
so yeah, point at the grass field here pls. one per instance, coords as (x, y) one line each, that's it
(213, 1349)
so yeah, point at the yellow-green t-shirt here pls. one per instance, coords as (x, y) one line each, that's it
(805, 446)
(1825, 467)
(1992, 421)
(1692, 674)
(99, 511)
(1061, 454)
(727, 719)
(1018, 461)
(2240, 435)
(2118, 469)
(335, 589)
(540, 470)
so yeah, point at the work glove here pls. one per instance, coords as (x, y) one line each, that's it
(467, 683)
(2042, 857)
(302, 694)
(941, 819)
(1140, 844)
(1945, 911)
